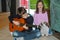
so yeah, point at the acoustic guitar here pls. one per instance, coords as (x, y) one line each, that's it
(13, 27)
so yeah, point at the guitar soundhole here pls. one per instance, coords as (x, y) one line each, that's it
(12, 26)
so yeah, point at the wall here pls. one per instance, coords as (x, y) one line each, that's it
(0, 5)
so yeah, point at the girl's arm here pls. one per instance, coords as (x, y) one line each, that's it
(46, 19)
(35, 20)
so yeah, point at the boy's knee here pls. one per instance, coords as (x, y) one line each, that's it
(15, 34)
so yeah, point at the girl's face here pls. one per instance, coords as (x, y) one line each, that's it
(40, 5)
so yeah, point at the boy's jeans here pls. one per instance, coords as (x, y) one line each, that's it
(37, 33)
(27, 36)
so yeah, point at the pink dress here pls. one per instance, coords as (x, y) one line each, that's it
(41, 17)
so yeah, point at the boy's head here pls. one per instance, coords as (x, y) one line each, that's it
(21, 10)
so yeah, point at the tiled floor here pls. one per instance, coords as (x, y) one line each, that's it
(57, 34)
(5, 35)
(3, 19)
(47, 38)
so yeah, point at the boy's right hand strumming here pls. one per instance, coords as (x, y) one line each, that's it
(17, 23)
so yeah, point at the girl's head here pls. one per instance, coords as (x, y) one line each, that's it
(21, 10)
(40, 6)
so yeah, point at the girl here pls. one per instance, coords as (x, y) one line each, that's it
(40, 14)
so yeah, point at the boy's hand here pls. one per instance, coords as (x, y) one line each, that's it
(25, 27)
(16, 23)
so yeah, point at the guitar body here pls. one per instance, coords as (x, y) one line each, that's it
(13, 27)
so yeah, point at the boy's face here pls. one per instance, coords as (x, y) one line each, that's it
(19, 13)
(25, 15)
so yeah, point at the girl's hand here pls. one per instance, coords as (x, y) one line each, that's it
(47, 24)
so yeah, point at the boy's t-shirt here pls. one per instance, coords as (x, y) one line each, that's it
(29, 20)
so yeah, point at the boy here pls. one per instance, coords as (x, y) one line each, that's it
(29, 20)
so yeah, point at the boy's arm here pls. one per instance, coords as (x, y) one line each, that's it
(30, 20)
(10, 18)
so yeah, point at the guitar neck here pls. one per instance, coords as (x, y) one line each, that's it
(30, 25)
